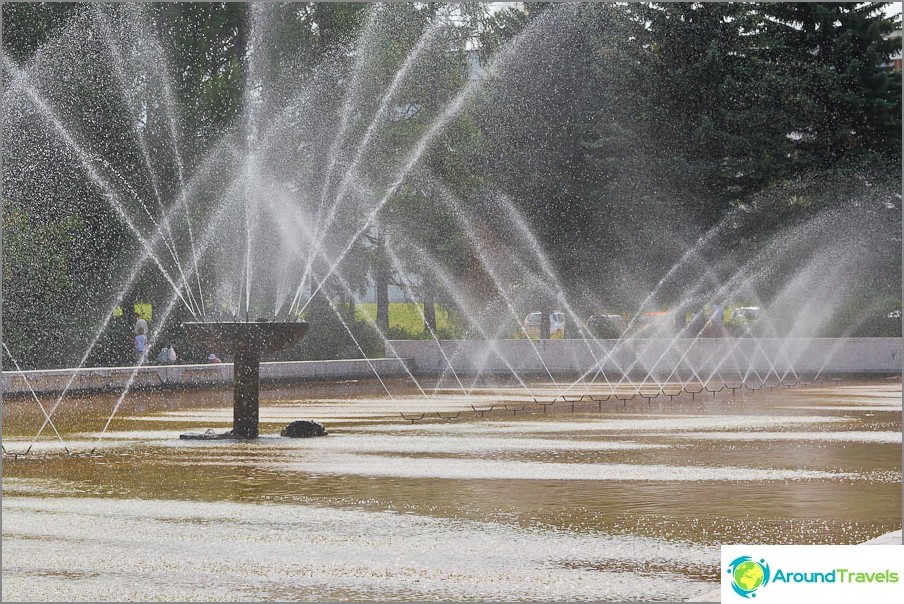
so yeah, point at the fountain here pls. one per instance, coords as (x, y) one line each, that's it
(280, 213)
(292, 203)
(293, 200)
(247, 342)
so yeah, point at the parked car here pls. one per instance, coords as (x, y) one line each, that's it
(744, 319)
(654, 324)
(607, 327)
(746, 314)
(556, 325)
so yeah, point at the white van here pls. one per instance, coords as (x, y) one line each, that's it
(556, 325)
(746, 315)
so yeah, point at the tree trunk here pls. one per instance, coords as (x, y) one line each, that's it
(429, 300)
(381, 278)
(429, 307)
(544, 324)
(241, 37)
(351, 308)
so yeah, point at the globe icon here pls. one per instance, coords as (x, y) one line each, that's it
(748, 575)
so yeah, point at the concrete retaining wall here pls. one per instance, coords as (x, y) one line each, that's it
(661, 357)
(501, 357)
(155, 376)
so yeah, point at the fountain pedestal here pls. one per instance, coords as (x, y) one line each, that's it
(247, 342)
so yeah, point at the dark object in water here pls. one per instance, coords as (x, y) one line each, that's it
(303, 429)
(208, 434)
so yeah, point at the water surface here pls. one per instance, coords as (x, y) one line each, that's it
(415, 498)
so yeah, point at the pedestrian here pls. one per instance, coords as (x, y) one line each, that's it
(212, 358)
(163, 356)
(141, 346)
(717, 319)
(140, 324)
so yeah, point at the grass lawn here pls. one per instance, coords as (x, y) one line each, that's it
(404, 315)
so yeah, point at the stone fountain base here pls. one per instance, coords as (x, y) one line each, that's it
(246, 342)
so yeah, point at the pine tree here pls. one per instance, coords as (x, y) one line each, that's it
(834, 60)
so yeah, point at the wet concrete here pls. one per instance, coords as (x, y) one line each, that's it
(613, 501)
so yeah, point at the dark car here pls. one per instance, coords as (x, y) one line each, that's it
(607, 327)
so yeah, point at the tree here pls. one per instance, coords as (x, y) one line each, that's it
(837, 84)
(58, 163)
(712, 107)
(205, 47)
(427, 45)
(650, 122)
(28, 25)
(41, 315)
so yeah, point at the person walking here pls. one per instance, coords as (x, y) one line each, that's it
(141, 346)
(140, 324)
(717, 319)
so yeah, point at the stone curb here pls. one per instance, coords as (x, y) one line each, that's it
(807, 356)
(100, 379)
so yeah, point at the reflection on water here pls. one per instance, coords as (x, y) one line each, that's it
(177, 550)
(616, 501)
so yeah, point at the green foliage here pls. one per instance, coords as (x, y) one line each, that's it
(868, 313)
(406, 321)
(414, 219)
(40, 320)
(206, 45)
(28, 25)
(670, 115)
(868, 181)
(710, 98)
(621, 131)
(498, 28)
(328, 338)
(839, 94)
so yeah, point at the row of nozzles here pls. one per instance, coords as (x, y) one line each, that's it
(514, 409)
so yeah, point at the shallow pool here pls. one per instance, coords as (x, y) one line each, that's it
(485, 496)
